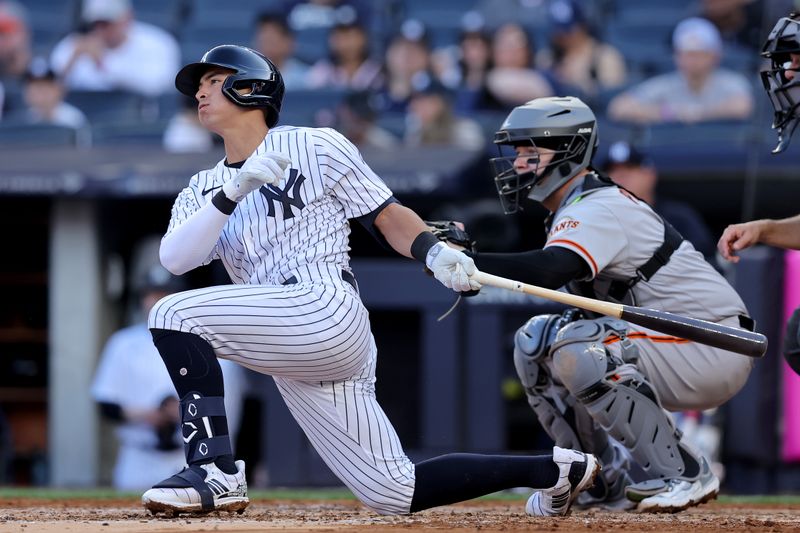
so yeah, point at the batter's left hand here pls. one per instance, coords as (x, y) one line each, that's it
(452, 268)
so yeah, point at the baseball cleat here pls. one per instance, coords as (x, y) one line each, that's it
(673, 495)
(577, 471)
(610, 498)
(199, 489)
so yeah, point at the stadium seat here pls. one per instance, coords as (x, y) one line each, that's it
(49, 21)
(243, 13)
(128, 133)
(12, 133)
(311, 44)
(647, 47)
(731, 133)
(165, 14)
(393, 122)
(107, 106)
(302, 107)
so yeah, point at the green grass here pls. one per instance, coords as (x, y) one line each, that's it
(322, 494)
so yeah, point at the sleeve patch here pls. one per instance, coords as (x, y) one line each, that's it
(564, 225)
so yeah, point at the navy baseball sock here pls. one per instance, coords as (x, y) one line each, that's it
(194, 368)
(458, 477)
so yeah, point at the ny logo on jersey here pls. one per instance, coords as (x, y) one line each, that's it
(273, 193)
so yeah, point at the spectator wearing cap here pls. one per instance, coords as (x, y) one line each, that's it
(44, 98)
(15, 40)
(348, 65)
(632, 168)
(513, 79)
(135, 393)
(575, 57)
(117, 52)
(408, 55)
(699, 90)
(276, 40)
(356, 119)
(15, 48)
(430, 120)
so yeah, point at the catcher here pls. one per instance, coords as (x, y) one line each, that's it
(598, 384)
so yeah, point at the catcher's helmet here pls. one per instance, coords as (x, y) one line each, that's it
(784, 93)
(251, 70)
(563, 124)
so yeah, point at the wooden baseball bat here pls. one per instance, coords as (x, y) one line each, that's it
(737, 340)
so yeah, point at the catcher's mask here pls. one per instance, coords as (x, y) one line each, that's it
(251, 70)
(563, 124)
(784, 93)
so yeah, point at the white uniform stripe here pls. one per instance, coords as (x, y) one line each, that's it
(368, 478)
(312, 335)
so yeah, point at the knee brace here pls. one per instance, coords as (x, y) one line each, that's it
(617, 395)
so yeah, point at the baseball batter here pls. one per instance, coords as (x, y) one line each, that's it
(601, 385)
(276, 212)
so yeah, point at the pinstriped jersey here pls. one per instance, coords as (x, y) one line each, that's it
(615, 233)
(299, 224)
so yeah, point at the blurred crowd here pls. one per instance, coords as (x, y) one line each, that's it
(386, 73)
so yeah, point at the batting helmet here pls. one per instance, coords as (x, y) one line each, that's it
(563, 124)
(251, 70)
(783, 92)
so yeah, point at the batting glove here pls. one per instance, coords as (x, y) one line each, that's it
(452, 268)
(258, 170)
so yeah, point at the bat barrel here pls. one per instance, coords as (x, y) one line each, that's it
(737, 340)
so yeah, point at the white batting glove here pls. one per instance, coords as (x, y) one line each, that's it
(452, 268)
(258, 170)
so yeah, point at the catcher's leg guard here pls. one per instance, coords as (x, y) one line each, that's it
(550, 403)
(564, 419)
(619, 398)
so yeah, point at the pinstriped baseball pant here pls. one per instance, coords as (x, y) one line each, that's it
(314, 338)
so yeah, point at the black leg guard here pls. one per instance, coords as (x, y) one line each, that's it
(197, 376)
(201, 443)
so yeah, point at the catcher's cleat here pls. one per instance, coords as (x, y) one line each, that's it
(577, 471)
(199, 489)
(610, 498)
(677, 494)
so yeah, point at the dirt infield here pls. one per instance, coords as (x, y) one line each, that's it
(79, 515)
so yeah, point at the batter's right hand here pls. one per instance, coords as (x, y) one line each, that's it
(452, 268)
(738, 237)
(262, 169)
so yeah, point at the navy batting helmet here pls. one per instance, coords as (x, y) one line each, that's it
(251, 71)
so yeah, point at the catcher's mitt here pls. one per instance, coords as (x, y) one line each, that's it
(449, 231)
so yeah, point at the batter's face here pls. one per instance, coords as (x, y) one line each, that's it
(532, 159)
(213, 108)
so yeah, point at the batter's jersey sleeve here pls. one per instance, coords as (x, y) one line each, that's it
(591, 230)
(347, 175)
(191, 198)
